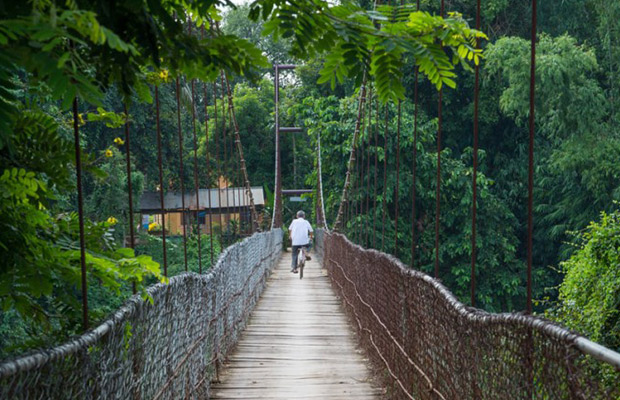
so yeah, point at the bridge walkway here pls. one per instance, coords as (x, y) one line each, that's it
(298, 344)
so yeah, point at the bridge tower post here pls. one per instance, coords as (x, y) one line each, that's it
(276, 221)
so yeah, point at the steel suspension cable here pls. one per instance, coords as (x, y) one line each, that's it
(347, 182)
(225, 161)
(530, 176)
(438, 184)
(208, 169)
(397, 187)
(180, 134)
(161, 181)
(374, 198)
(196, 184)
(132, 239)
(320, 179)
(244, 170)
(357, 179)
(415, 159)
(383, 200)
(475, 166)
(354, 185)
(217, 159)
(367, 190)
(234, 173)
(80, 199)
(360, 184)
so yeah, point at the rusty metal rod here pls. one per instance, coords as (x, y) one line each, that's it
(374, 198)
(475, 166)
(132, 238)
(196, 184)
(438, 184)
(367, 190)
(217, 159)
(414, 166)
(383, 200)
(347, 181)
(397, 187)
(244, 170)
(161, 181)
(78, 172)
(208, 169)
(530, 175)
(180, 134)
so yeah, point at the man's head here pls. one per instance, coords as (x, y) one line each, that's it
(301, 214)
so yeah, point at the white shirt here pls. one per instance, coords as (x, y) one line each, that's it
(299, 230)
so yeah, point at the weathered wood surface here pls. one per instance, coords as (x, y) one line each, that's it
(298, 345)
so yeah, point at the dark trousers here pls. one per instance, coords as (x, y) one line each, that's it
(295, 252)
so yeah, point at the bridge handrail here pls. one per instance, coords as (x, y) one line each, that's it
(440, 348)
(116, 358)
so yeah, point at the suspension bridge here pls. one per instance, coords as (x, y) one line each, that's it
(360, 325)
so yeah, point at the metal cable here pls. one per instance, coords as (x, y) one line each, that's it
(207, 154)
(217, 160)
(383, 199)
(438, 184)
(80, 199)
(475, 166)
(367, 175)
(396, 188)
(180, 134)
(132, 238)
(347, 181)
(530, 175)
(161, 182)
(244, 170)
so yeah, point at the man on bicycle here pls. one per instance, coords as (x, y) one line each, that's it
(300, 232)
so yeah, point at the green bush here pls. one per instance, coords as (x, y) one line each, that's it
(589, 300)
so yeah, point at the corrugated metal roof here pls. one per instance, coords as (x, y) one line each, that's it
(172, 201)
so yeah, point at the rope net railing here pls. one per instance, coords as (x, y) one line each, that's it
(169, 348)
(431, 346)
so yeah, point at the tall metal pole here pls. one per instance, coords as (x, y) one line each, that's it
(276, 221)
(206, 100)
(161, 182)
(415, 162)
(397, 187)
(530, 178)
(438, 191)
(196, 184)
(132, 239)
(180, 134)
(217, 159)
(78, 170)
(475, 173)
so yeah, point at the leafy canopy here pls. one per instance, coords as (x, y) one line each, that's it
(360, 43)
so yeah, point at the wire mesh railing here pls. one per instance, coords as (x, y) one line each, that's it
(165, 349)
(431, 346)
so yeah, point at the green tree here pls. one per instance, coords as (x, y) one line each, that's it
(589, 300)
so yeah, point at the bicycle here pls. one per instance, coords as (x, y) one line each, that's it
(301, 261)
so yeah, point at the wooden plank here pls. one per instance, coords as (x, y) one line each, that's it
(297, 345)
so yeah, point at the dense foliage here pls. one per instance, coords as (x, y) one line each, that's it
(589, 299)
(103, 58)
(112, 56)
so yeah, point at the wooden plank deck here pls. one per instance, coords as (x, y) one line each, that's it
(298, 345)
